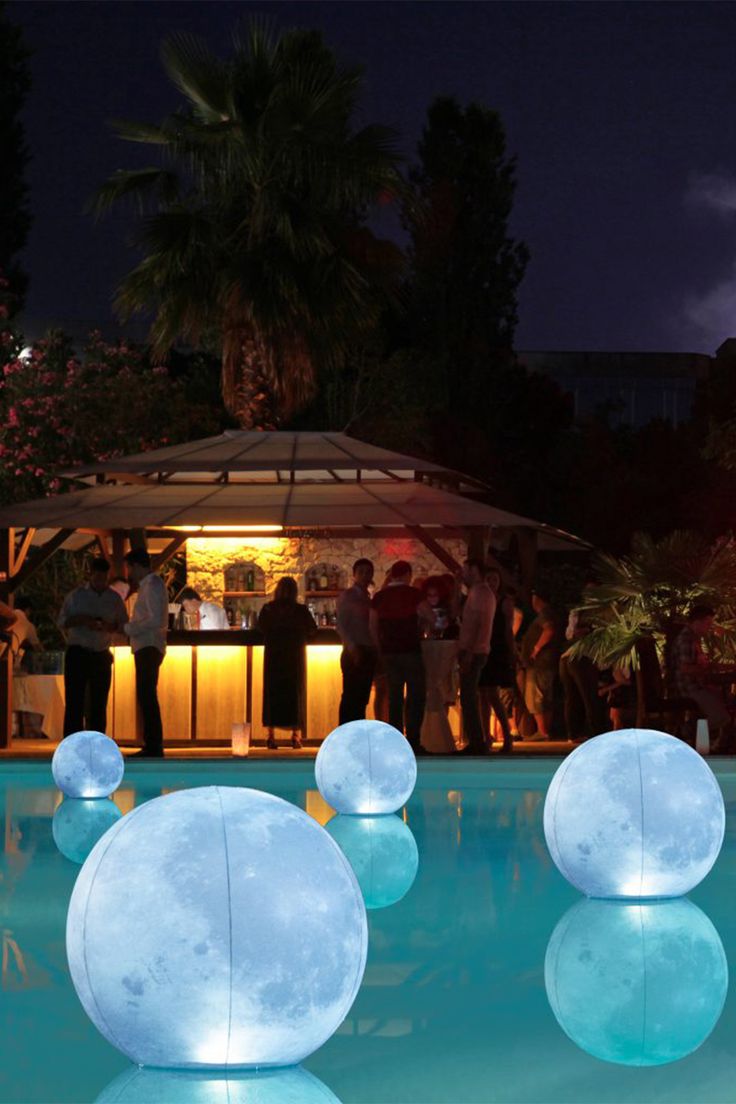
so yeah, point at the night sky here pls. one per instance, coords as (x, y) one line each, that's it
(622, 116)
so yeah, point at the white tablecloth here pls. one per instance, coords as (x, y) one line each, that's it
(42, 694)
(440, 667)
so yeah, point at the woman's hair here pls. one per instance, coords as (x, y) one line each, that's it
(286, 590)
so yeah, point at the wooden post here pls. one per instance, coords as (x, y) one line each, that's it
(118, 551)
(479, 537)
(7, 553)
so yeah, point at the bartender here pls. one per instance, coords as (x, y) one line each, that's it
(207, 615)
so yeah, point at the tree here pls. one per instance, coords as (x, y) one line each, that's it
(15, 219)
(255, 239)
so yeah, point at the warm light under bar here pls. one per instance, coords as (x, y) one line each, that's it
(227, 528)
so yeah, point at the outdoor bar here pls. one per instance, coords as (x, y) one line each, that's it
(246, 509)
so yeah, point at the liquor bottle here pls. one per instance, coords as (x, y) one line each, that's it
(230, 613)
(323, 618)
(324, 582)
(250, 579)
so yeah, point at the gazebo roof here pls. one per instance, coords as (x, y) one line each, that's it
(280, 457)
(334, 506)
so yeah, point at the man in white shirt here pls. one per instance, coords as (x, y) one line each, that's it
(89, 617)
(147, 631)
(474, 645)
(208, 614)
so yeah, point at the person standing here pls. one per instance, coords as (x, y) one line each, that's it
(147, 631)
(397, 614)
(499, 671)
(207, 615)
(474, 645)
(90, 616)
(540, 651)
(358, 659)
(287, 626)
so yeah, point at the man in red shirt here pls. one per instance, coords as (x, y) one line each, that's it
(398, 615)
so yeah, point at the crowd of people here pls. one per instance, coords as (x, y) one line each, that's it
(512, 669)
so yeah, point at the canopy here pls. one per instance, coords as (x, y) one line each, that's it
(333, 506)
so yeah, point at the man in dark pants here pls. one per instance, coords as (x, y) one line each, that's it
(358, 659)
(89, 617)
(398, 613)
(147, 631)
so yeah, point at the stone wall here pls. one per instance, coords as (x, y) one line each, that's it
(207, 558)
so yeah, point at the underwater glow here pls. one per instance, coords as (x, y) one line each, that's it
(365, 767)
(638, 984)
(87, 764)
(382, 852)
(79, 822)
(153, 1086)
(634, 813)
(219, 927)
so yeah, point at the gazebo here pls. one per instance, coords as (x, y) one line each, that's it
(274, 497)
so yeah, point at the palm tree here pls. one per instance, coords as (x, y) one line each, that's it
(253, 230)
(650, 592)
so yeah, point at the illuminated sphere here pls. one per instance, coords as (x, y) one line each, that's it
(365, 767)
(216, 927)
(634, 813)
(79, 822)
(87, 764)
(383, 854)
(162, 1086)
(637, 983)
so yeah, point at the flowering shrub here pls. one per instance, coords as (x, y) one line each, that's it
(58, 409)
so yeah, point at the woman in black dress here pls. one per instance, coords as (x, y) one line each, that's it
(286, 625)
(499, 671)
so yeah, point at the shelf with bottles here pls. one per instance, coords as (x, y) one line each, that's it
(242, 608)
(323, 612)
(324, 580)
(244, 579)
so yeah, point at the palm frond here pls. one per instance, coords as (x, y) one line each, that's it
(138, 185)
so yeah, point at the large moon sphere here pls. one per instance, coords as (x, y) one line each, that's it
(156, 1086)
(634, 813)
(383, 854)
(216, 927)
(636, 983)
(87, 764)
(79, 822)
(366, 767)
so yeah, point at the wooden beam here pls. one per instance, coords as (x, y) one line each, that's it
(138, 539)
(18, 555)
(162, 557)
(40, 556)
(434, 547)
(479, 537)
(7, 551)
(118, 550)
(102, 536)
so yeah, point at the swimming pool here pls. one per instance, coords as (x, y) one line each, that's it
(454, 1006)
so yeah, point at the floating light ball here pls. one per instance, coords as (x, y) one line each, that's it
(637, 983)
(383, 854)
(634, 813)
(78, 824)
(87, 764)
(156, 1086)
(216, 927)
(365, 767)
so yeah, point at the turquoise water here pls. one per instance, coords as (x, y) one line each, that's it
(454, 1005)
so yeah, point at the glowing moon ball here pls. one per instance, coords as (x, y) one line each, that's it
(636, 983)
(383, 854)
(156, 1086)
(634, 813)
(79, 823)
(216, 927)
(365, 767)
(87, 764)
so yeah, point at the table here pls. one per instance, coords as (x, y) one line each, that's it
(440, 668)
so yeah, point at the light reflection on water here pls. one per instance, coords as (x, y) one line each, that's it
(453, 1005)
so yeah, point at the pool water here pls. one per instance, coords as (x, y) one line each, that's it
(454, 1006)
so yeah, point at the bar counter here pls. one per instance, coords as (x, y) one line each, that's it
(211, 680)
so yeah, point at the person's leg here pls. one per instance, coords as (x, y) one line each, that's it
(493, 696)
(484, 701)
(470, 705)
(75, 685)
(357, 678)
(147, 664)
(584, 674)
(100, 677)
(395, 680)
(572, 704)
(416, 697)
